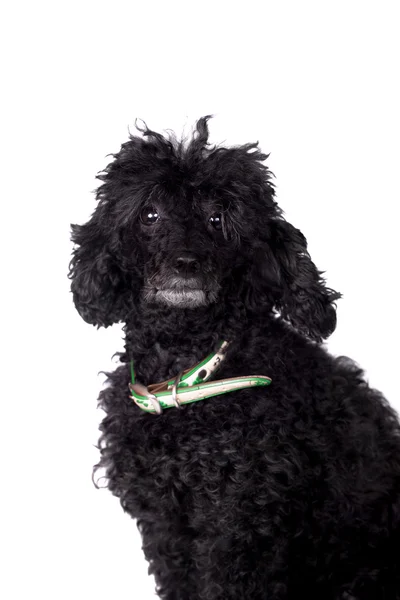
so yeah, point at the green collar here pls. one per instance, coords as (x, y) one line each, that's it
(190, 385)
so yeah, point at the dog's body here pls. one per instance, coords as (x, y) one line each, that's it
(288, 491)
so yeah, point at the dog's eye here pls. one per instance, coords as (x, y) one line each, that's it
(216, 221)
(149, 215)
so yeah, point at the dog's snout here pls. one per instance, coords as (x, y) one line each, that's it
(186, 263)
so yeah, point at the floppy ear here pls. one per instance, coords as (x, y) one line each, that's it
(299, 291)
(99, 288)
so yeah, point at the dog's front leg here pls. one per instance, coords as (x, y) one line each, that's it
(168, 549)
(240, 567)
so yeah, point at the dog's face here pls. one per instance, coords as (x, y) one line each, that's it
(186, 253)
(184, 226)
(186, 243)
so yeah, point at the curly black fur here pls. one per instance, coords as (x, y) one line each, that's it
(290, 491)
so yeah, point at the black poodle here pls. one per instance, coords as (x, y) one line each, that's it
(278, 475)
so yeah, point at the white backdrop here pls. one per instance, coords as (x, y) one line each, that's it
(315, 82)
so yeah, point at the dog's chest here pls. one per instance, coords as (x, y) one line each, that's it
(221, 453)
(228, 466)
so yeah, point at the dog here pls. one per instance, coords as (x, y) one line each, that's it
(285, 485)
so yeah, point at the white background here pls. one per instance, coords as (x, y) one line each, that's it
(317, 83)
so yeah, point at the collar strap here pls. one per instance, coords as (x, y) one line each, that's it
(190, 385)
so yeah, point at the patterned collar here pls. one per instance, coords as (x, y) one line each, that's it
(190, 385)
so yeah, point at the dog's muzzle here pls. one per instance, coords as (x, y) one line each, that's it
(181, 292)
(184, 297)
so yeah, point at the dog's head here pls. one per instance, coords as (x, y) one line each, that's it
(183, 225)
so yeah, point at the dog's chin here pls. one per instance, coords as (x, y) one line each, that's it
(180, 292)
(184, 298)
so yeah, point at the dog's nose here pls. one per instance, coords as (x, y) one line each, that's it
(187, 263)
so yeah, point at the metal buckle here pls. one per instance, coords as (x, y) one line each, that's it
(154, 400)
(173, 390)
